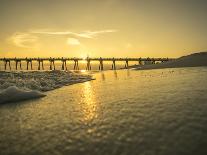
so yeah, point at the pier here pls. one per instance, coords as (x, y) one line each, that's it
(40, 61)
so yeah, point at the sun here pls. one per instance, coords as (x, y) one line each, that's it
(83, 71)
(83, 56)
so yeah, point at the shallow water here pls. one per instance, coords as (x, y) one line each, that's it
(124, 112)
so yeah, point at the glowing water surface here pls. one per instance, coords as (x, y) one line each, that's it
(121, 112)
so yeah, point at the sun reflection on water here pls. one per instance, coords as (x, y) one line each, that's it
(89, 103)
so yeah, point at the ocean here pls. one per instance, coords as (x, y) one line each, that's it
(122, 112)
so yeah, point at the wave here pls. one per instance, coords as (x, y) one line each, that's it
(14, 94)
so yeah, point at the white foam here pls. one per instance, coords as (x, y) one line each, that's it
(14, 94)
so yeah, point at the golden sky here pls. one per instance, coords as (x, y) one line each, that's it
(107, 28)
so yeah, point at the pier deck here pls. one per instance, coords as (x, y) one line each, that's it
(29, 61)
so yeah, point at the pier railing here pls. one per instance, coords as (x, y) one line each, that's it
(29, 62)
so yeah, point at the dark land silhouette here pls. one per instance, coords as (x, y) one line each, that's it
(193, 60)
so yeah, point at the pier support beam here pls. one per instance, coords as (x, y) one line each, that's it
(76, 67)
(52, 63)
(64, 65)
(88, 66)
(127, 63)
(29, 61)
(100, 64)
(113, 64)
(40, 61)
(17, 61)
(5, 63)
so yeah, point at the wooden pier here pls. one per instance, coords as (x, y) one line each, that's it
(40, 61)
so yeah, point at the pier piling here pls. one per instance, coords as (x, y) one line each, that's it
(127, 63)
(76, 67)
(5, 63)
(29, 61)
(52, 63)
(113, 64)
(17, 61)
(88, 66)
(64, 65)
(100, 64)
(40, 61)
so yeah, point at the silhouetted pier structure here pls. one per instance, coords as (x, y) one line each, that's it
(40, 61)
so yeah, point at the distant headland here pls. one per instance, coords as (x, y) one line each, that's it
(192, 60)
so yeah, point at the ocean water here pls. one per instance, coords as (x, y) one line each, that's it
(123, 112)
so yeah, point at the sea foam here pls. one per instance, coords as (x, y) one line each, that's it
(14, 94)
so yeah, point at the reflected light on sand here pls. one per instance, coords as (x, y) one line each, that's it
(90, 104)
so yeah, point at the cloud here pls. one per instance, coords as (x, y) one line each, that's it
(51, 32)
(73, 41)
(84, 34)
(93, 34)
(29, 39)
(24, 40)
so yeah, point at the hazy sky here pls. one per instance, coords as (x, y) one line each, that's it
(107, 28)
